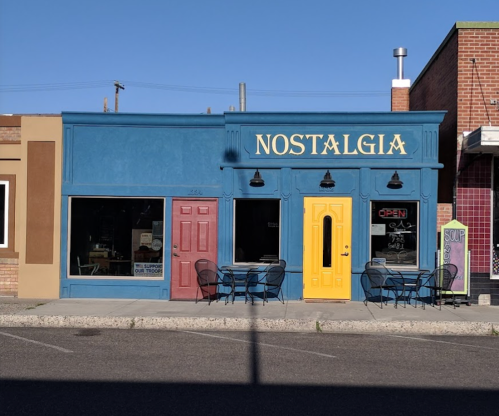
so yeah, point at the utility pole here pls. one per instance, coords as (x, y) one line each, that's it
(105, 104)
(118, 88)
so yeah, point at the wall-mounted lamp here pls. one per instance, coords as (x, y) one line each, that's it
(257, 180)
(327, 182)
(395, 182)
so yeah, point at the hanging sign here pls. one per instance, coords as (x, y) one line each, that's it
(454, 250)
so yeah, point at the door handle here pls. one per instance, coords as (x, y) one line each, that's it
(175, 255)
(346, 254)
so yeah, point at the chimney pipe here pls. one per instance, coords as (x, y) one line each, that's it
(400, 54)
(242, 96)
(400, 85)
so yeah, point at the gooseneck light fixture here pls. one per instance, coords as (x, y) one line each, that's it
(257, 180)
(395, 182)
(327, 182)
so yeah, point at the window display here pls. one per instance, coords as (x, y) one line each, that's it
(116, 234)
(394, 232)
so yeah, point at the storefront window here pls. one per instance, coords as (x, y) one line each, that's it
(394, 232)
(122, 236)
(256, 229)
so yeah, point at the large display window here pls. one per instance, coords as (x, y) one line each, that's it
(116, 237)
(256, 230)
(395, 232)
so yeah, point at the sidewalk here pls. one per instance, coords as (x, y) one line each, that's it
(347, 317)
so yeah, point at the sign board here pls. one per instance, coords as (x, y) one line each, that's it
(148, 269)
(378, 229)
(454, 249)
(146, 239)
(393, 213)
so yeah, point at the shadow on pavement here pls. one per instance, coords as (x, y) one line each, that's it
(114, 398)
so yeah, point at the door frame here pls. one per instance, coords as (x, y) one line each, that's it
(342, 253)
(213, 257)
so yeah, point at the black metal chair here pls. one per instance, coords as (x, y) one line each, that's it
(371, 295)
(438, 281)
(210, 278)
(271, 283)
(383, 279)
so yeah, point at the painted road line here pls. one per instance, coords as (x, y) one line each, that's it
(262, 344)
(55, 347)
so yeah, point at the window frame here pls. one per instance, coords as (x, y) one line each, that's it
(234, 229)
(418, 232)
(7, 248)
(109, 277)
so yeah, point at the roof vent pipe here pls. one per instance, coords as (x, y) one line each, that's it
(400, 54)
(242, 96)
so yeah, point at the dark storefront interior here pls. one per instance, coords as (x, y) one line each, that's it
(115, 233)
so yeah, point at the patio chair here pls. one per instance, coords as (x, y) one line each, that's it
(271, 283)
(383, 279)
(438, 281)
(210, 278)
(371, 295)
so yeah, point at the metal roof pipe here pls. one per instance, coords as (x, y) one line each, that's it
(242, 96)
(400, 54)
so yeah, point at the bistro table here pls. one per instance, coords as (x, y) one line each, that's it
(240, 275)
(409, 286)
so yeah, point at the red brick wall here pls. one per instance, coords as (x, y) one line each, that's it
(9, 272)
(10, 128)
(10, 134)
(474, 110)
(436, 89)
(400, 99)
(444, 215)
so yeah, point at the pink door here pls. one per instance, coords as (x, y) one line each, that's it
(194, 236)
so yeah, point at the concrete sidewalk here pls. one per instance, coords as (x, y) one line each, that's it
(350, 317)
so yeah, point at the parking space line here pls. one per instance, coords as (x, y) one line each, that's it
(261, 343)
(445, 342)
(36, 342)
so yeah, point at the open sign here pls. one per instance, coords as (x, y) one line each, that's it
(393, 213)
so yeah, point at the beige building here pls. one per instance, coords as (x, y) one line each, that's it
(30, 201)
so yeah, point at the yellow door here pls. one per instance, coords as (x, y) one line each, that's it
(327, 239)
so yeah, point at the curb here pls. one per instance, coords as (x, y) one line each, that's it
(245, 324)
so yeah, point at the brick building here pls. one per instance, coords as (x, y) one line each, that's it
(462, 77)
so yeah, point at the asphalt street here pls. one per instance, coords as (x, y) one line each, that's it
(135, 372)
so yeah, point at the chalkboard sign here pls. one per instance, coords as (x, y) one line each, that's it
(454, 249)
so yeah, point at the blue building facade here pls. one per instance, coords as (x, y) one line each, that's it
(145, 195)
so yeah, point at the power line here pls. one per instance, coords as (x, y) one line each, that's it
(188, 89)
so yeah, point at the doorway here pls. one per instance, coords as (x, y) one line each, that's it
(194, 237)
(327, 236)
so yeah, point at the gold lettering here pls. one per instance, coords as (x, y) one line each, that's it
(259, 140)
(361, 145)
(331, 144)
(314, 138)
(274, 144)
(381, 145)
(345, 140)
(396, 144)
(297, 144)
